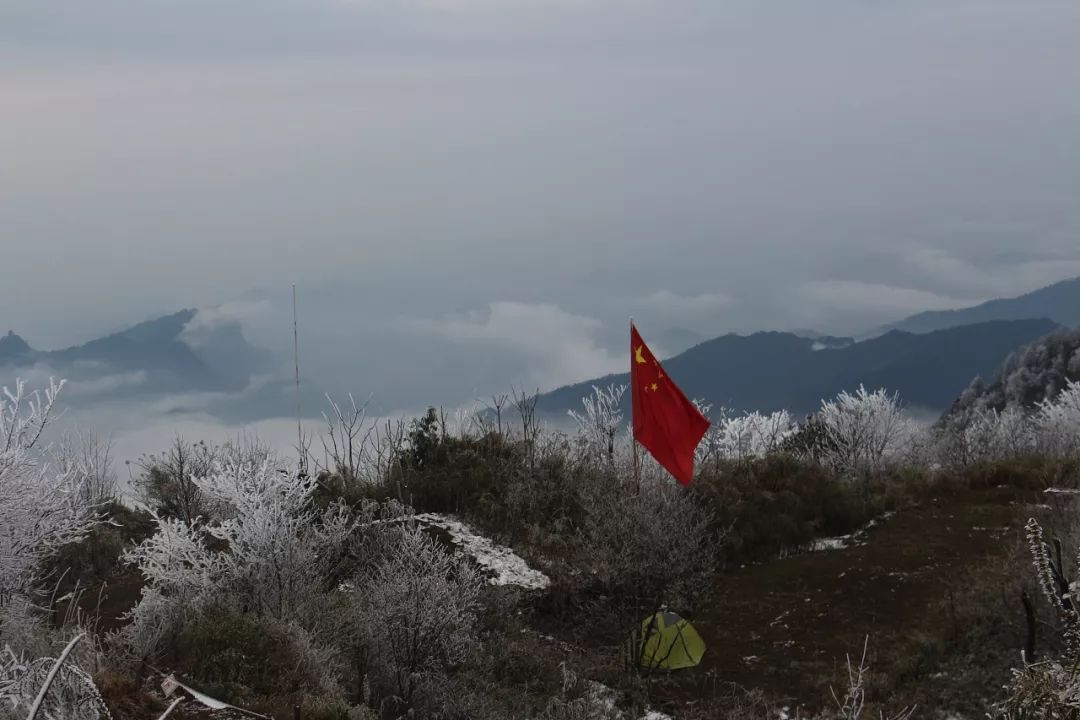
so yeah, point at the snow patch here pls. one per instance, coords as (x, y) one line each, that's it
(506, 566)
(1061, 491)
(845, 541)
(834, 543)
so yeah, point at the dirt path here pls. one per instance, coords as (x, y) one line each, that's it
(785, 626)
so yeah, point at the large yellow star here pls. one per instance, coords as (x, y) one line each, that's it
(638, 357)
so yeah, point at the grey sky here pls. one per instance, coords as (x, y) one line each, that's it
(494, 185)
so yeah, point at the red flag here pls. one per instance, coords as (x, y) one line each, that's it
(666, 423)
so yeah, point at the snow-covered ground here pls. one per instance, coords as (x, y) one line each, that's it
(505, 566)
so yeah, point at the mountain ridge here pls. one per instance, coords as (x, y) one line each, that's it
(155, 356)
(1059, 302)
(770, 371)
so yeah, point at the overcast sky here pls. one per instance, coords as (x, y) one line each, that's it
(495, 185)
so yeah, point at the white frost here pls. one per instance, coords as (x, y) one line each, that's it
(505, 566)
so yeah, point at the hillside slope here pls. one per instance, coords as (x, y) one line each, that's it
(1031, 375)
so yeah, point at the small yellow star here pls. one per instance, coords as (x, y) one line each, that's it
(655, 387)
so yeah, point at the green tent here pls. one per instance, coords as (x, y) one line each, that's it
(665, 641)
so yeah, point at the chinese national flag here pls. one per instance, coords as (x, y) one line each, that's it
(665, 421)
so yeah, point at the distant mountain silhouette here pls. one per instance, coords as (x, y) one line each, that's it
(13, 349)
(773, 370)
(676, 340)
(151, 357)
(1059, 302)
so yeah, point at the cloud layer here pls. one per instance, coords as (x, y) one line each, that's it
(493, 172)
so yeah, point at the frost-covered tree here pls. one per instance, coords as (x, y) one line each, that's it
(996, 435)
(1057, 422)
(281, 547)
(770, 431)
(416, 611)
(600, 420)
(88, 455)
(346, 439)
(1032, 375)
(743, 437)
(985, 435)
(166, 481)
(864, 430)
(753, 435)
(42, 506)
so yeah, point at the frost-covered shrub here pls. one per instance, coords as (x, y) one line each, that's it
(149, 628)
(71, 696)
(779, 503)
(1057, 422)
(416, 612)
(864, 431)
(176, 561)
(545, 499)
(982, 434)
(986, 436)
(280, 548)
(42, 505)
(1049, 689)
(582, 700)
(276, 554)
(1042, 690)
(237, 657)
(644, 543)
(746, 437)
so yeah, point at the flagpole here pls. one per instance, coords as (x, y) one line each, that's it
(633, 438)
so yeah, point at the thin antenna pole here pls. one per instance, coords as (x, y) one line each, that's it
(296, 363)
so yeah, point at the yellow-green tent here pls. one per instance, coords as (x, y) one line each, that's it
(665, 641)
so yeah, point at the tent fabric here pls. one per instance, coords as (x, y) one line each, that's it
(664, 641)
